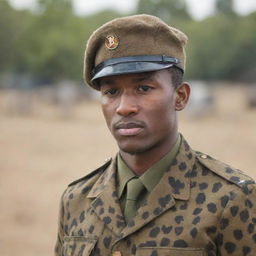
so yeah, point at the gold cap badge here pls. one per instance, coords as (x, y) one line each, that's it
(111, 42)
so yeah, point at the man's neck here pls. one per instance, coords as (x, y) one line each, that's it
(141, 162)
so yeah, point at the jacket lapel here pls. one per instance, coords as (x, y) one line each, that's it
(174, 185)
(106, 204)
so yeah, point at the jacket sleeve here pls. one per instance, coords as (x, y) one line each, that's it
(236, 232)
(60, 234)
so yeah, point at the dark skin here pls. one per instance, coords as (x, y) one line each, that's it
(141, 113)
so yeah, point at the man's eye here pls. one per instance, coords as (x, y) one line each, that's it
(110, 92)
(144, 88)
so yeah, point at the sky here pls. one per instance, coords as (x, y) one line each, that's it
(199, 9)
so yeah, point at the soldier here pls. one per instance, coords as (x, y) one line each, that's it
(157, 196)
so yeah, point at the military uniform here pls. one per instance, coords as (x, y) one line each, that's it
(200, 207)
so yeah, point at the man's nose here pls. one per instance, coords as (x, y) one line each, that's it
(127, 105)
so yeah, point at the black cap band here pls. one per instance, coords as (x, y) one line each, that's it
(134, 64)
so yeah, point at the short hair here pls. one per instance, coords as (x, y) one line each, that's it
(176, 76)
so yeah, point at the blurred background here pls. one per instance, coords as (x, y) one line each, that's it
(52, 129)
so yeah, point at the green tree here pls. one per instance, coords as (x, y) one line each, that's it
(45, 5)
(11, 26)
(222, 48)
(51, 45)
(243, 63)
(167, 10)
(225, 7)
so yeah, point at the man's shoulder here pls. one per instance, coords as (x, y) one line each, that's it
(92, 174)
(224, 171)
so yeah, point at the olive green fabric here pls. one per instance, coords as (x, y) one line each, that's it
(149, 179)
(136, 35)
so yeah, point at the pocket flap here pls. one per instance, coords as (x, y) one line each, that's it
(78, 245)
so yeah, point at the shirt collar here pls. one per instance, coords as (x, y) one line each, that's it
(152, 176)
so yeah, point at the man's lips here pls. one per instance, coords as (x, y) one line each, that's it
(128, 128)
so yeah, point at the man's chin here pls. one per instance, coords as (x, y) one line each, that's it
(134, 149)
(129, 149)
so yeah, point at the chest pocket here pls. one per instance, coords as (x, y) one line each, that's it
(78, 245)
(169, 251)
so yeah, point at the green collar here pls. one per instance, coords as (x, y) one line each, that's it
(152, 176)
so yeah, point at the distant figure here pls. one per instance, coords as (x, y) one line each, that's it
(156, 196)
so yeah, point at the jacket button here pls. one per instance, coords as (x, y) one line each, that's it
(116, 253)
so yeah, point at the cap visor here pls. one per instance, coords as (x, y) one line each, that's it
(130, 67)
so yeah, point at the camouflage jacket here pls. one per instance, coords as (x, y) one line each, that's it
(200, 207)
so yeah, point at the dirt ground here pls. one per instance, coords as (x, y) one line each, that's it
(42, 152)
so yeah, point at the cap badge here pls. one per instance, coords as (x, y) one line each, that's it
(111, 42)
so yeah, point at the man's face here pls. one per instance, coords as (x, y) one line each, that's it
(140, 110)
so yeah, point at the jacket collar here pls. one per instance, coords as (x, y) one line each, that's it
(174, 185)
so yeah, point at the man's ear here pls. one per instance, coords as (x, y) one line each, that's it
(182, 96)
